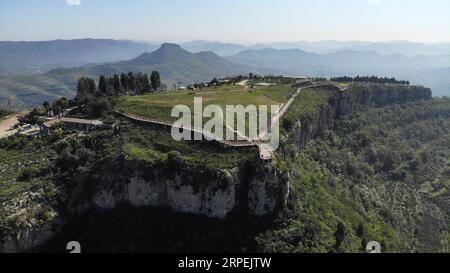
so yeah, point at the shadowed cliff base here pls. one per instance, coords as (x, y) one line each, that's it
(128, 229)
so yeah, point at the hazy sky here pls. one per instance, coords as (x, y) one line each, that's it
(226, 20)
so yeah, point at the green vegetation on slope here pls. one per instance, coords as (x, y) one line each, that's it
(153, 146)
(384, 175)
(39, 177)
(26, 187)
(305, 105)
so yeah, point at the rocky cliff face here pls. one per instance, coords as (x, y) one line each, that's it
(34, 224)
(25, 239)
(308, 128)
(182, 191)
(214, 194)
(210, 193)
(376, 95)
(268, 189)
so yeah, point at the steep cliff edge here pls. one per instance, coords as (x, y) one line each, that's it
(376, 95)
(335, 102)
(211, 193)
(214, 192)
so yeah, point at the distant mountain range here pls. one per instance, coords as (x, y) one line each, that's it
(66, 61)
(176, 66)
(40, 57)
(385, 48)
(343, 62)
(436, 79)
(405, 48)
(429, 70)
(221, 49)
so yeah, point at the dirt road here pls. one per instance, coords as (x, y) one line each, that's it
(5, 125)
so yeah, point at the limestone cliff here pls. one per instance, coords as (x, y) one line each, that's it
(212, 195)
(377, 95)
(33, 225)
(268, 189)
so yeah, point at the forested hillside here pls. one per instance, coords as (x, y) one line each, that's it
(383, 174)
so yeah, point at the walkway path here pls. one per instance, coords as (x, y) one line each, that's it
(204, 133)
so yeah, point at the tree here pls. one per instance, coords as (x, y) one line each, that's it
(131, 81)
(214, 82)
(146, 83)
(140, 83)
(99, 106)
(116, 84)
(58, 105)
(103, 85)
(86, 89)
(155, 80)
(339, 235)
(56, 108)
(124, 82)
(63, 102)
(371, 79)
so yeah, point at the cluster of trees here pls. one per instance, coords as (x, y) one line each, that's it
(371, 79)
(139, 83)
(58, 105)
(95, 97)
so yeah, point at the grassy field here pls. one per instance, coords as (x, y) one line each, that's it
(159, 106)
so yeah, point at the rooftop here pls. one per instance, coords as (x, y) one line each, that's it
(50, 123)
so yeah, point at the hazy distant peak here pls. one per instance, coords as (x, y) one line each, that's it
(170, 46)
(169, 52)
(207, 54)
